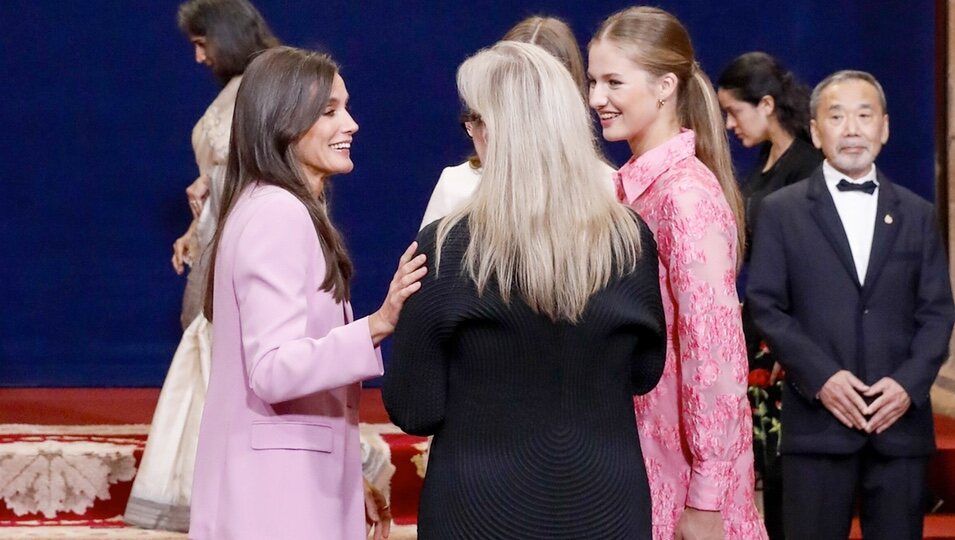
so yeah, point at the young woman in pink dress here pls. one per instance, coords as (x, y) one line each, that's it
(695, 426)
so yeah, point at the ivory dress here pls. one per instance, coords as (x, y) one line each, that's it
(696, 429)
(163, 486)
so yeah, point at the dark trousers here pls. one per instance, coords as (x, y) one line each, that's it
(773, 500)
(819, 492)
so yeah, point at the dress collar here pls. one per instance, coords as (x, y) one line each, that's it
(639, 173)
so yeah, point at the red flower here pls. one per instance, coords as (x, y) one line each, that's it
(759, 378)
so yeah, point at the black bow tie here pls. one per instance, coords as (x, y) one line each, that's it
(867, 186)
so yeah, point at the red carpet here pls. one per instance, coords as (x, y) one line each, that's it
(118, 418)
(124, 408)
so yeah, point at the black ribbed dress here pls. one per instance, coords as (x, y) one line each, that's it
(533, 422)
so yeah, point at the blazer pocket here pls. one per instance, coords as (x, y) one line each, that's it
(291, 436)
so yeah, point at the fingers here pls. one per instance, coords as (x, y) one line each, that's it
(877, 388)
(414, 276)
(842, 418)
(195, 207)
(854, 381)
(884, 419)
(409, 267)
(857, 407)
(406, 256)
(845, 404)
(178, 258)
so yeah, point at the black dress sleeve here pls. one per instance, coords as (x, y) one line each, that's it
(643, 288)
(415, 382)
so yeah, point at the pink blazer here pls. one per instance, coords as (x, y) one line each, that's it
(278, 452)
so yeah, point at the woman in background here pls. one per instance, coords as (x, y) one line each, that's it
(278, 453)
(695, 426)
(765, 105)
(225, 35)
(539, 321)
(456, 184)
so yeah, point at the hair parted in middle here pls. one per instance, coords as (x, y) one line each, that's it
(656, 41)
(543, 191)
(554, 36)
(283, 92)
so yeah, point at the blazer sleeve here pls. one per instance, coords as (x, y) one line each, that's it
(767, 292)
(933, 319)
(271, 281)
(415, 384)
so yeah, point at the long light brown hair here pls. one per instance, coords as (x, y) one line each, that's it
(283, 92)
(657, 42)
(541, 221)
(554, 36)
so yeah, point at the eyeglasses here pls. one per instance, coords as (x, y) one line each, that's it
(470, 120)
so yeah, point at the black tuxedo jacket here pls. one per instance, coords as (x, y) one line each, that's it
(806, 299)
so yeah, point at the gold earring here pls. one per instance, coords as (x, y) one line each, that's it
(660, 103)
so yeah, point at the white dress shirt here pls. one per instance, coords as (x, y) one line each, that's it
(857, 211)
(454, 188)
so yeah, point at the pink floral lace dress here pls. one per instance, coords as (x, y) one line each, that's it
(695, 426)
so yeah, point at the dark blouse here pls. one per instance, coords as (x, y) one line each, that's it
(796, 163)
(534, 429)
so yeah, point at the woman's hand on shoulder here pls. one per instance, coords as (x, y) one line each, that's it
(406, 282)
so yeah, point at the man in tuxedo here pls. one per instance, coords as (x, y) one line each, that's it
(849, 283)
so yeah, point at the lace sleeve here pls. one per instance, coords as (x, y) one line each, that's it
(697, 244)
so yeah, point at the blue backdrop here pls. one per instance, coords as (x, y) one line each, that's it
(101, 97)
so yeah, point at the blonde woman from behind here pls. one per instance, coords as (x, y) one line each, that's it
(539, 321)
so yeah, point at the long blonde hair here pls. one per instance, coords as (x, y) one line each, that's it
(657, 41)
(541, 220)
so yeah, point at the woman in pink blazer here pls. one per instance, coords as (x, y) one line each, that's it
(278, 452)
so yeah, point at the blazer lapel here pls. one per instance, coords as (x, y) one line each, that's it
(827, 217)
(888, 222)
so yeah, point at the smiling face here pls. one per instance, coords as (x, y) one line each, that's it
(850, 126)
(325, 149)
(750, 123)
(627, 97)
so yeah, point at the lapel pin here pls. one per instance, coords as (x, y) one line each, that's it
(888, 219)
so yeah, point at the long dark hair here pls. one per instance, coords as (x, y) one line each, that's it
(754, 75)
(234, 30)
(283, 92)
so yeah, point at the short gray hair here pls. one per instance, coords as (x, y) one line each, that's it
(842, 76)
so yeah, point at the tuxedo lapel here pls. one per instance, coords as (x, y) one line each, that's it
(827, 218)
(888, 222)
